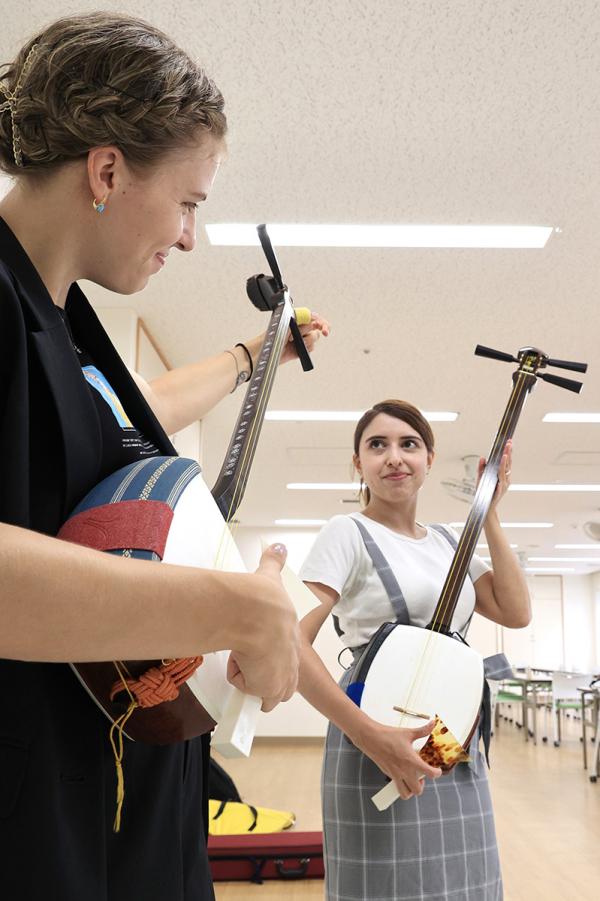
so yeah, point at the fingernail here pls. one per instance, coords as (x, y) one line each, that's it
(278, 548)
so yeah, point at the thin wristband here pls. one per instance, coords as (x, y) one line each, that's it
(248, 354)
(240, 376)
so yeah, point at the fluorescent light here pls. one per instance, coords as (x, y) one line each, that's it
(577, 547)
(323, 486)
(313, 415)
(549, 569)
(341, 416)
(564, 559)
(300, 522)
(512, 525)
(554, 487)
(571, 417)
(324, 235)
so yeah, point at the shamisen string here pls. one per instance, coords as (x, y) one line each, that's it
(505, 430)
(303, 317)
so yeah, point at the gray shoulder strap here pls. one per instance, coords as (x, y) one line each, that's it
(446, 533)
(384, 571)
(497, 667)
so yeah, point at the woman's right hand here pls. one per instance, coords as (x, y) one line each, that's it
(391, 748)
(269, 670)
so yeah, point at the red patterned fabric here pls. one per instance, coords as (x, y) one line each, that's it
(142, 525)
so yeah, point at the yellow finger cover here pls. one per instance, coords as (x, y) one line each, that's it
(303, 315)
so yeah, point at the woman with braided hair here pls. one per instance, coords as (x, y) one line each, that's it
(113, 136)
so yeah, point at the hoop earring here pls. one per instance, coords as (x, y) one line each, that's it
(362, 497)
(100, 205)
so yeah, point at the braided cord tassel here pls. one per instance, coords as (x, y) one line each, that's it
(155, 686)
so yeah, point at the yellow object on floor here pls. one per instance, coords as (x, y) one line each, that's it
(235, 818)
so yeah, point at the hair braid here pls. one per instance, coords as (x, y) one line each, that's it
(103, 79)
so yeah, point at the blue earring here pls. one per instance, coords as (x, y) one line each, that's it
(100, 205)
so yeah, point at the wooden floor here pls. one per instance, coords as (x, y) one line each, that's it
(547, 814)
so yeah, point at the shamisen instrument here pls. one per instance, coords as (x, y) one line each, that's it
(408, 675)
(161, 509)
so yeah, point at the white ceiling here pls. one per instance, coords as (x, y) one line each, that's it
(448, 111)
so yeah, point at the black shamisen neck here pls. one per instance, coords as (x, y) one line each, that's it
(231, 481)
(523, 381)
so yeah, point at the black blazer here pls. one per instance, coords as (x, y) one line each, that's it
(57, 776)
(38, 361)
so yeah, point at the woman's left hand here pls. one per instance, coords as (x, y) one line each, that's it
(311, 332)
(503, 474)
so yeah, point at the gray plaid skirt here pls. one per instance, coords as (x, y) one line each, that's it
(440, 846)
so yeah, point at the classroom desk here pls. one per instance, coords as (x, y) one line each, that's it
(530, 686)
(594, 695)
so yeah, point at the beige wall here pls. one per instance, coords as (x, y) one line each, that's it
(139, 352)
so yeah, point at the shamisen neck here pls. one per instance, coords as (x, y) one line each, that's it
(523, 382)
(231, 481)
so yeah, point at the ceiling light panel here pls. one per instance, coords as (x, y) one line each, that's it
(553, 487)
(577, 547)
(513, 525)
(441, 236)
(571, 417)
(323, 486)
(300, 522)
(343, 416)
(592, 560)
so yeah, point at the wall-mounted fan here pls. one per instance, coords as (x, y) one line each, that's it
(592, 530)
(464, 489)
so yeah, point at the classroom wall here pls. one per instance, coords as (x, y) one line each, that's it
(581, 649)
(296, 717)
(137, 349)
(563, 629)
(595, 579)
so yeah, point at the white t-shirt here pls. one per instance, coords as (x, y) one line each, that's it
(339, 559)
